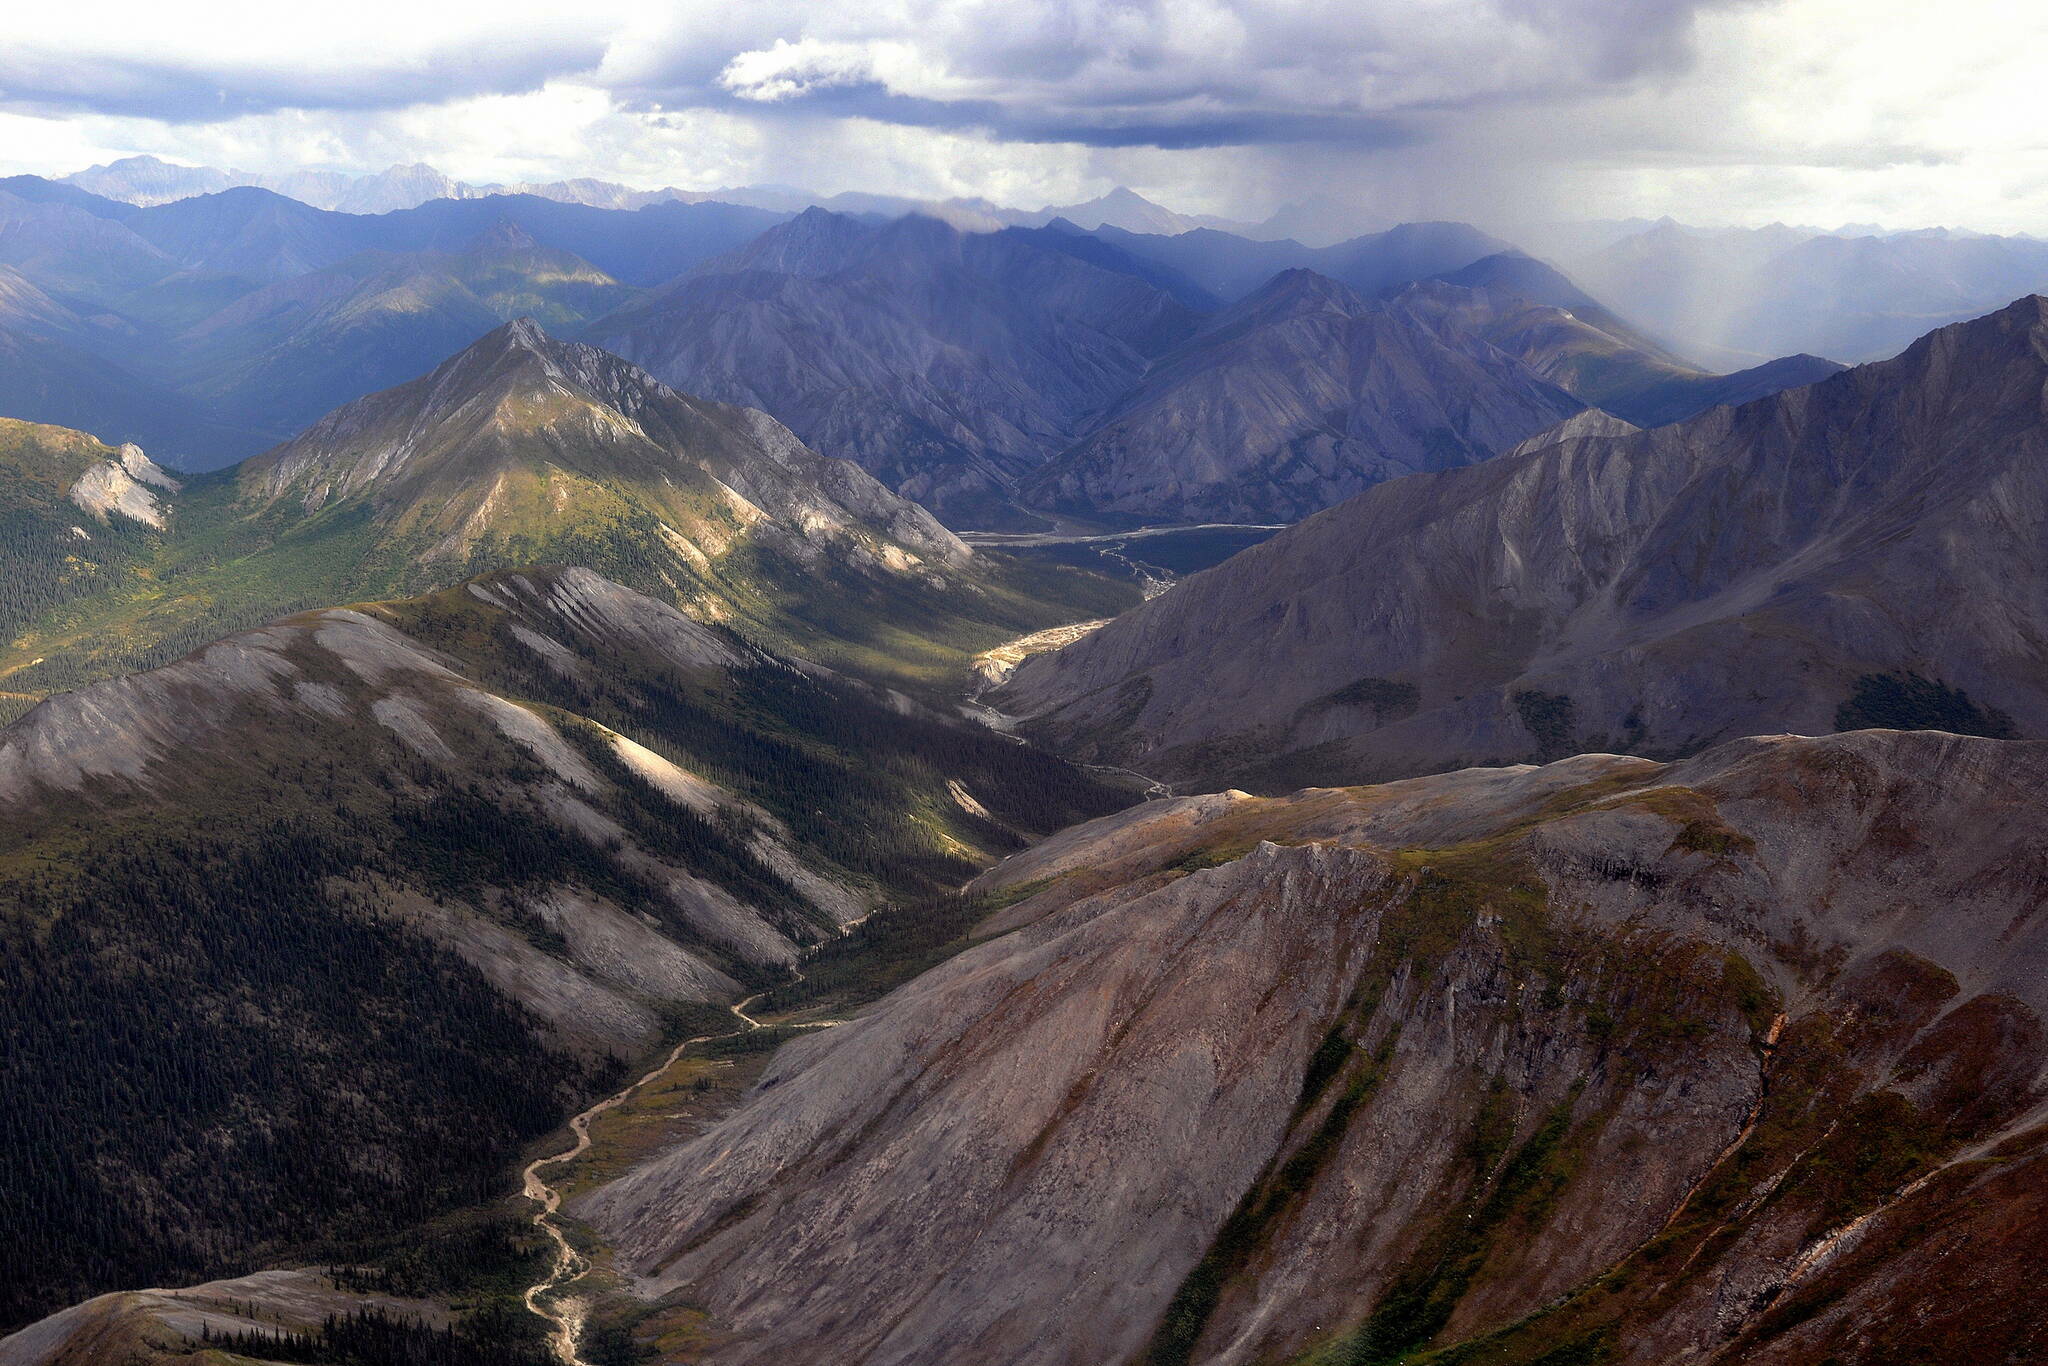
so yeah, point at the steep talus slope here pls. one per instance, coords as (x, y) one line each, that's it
(1296, 398)
(307, 933)
(346, 682)
(1865, 550)
(947, 363)
(1604, 1061)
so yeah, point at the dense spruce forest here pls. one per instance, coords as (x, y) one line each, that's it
(45, 563)
(376, 1337)
(217, 1052)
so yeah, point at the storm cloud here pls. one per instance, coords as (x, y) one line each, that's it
(1110, 73)
(1164, 73)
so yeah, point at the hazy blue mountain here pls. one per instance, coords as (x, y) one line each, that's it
(1315, 221)
(947, 363)
(1062, 236)
(212, 325)
(1293, 399)
(1752, 293)
(1585, 349)
(284, 355)
(145, 180)
(256, 233)
(73, 253)
(48, 381)
(1231, 266)
(1127, 209)
(1522, 275)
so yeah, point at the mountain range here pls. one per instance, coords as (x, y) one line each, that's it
(467, 851)
(468, 847)
(280, 357)
(148, 180)
(991, 375)
(1289, 401)
(1855, 552)
(209, 328)
(522, 450)
(533, 716)
(952, 364)
(1534, 313)
(947, 363)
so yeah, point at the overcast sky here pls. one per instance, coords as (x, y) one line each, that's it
(1901, 112)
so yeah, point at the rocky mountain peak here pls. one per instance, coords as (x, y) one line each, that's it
(504, 235)
(2019, 331)
(521, 334)
(815, 242)
(1297, 289)
(518, 430)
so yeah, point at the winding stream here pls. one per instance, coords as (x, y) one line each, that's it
(566, 1319)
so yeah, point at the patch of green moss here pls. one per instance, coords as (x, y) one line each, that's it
(1420, 1299)
(1264, 1207)
(1211, 856)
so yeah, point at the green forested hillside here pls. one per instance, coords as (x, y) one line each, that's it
(309, 940)
(52, 551)
(521, 451)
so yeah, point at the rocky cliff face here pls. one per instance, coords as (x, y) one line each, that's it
(76, 517)
(1862, 551)
(1607, 1060)
(1296, 398)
